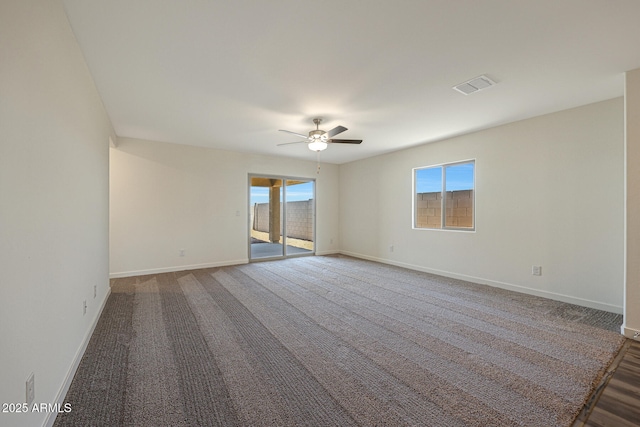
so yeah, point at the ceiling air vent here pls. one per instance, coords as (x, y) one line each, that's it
(474, 85)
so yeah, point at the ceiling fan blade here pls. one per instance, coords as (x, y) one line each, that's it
(345, 141)
(295, 133)
(336, 130)
(295, 142)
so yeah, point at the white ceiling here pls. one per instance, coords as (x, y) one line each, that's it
(228, 74)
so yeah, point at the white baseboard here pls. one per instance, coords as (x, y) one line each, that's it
(176, 268)
(634, 334)
(321, 253)
(508, 286)
(62, 393)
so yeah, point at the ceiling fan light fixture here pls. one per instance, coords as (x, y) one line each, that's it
(318, 145)
(318, 139)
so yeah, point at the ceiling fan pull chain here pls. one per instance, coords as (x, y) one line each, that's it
(318, 158)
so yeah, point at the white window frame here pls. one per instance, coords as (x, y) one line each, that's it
(443, 191)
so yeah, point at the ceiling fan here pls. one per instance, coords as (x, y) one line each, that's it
(318, 139)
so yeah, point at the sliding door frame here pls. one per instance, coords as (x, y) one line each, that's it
(284, 179)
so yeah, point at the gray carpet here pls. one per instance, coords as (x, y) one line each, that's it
(335, 341)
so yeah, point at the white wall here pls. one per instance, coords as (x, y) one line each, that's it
(167, 197)
(632, 253)
(53, 203)
(566, 167)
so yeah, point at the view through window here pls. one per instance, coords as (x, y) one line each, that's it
(281, 216)
(444, 196)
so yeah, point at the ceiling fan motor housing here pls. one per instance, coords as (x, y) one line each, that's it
(318, 135)
(318, 139)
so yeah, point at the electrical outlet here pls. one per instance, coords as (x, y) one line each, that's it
(95, 291)
(536, 270)
(181, 252)
(84, 307)
(391, 248)
(31, 389)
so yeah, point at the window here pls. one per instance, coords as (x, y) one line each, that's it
(445, 196)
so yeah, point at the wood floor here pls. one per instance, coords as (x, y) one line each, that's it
(618, 403)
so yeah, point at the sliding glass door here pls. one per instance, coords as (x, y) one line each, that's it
(282, 217)
(300, 216)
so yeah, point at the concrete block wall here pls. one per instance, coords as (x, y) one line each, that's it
(299, 219)
(261, 217)
(459, 209)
